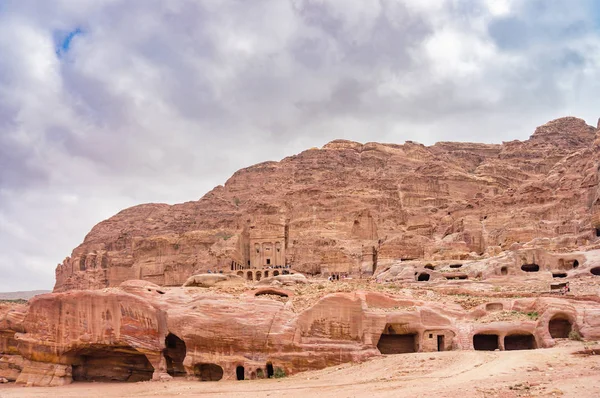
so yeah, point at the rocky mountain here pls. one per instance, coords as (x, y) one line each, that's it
(353, 208)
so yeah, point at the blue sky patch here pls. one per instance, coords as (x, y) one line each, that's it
(64, 40)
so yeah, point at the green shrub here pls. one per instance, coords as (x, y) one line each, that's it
(575, 335)
(533, 315)
(279, 373)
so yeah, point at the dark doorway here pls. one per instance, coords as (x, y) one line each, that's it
(174, 353)
(270, 371)
(440, 343)
(423, 277)
(504, 271)
(208, 372)
(397, 343)
(110, 363)
(249, 276)
(595, 271)
(519, 342)
(559, 274)
(559, 327)
(268, 261)
(239, 372)
(485, 342)
(429, 266)
(597, 231)
(575, 263)
(530, 267)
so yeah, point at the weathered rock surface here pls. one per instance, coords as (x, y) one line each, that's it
(139, 332)
(355, 208)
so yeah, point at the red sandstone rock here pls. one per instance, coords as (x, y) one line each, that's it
(354, 208)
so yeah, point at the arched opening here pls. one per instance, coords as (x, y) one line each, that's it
(239, 372)
(258, 275)
(252, 375)
(494, 307)
(519, 342)
(270, 370)
(485, 342)
(260, 373)
(423, 277)
(174, 353)
(560, 327)
(504, 271)
(429, 266)
(455, 265)
(275, 273)
(559, 274)
(208, 372)
(394, 341)
(270, 292)
(575, 263)
(530, 267)
(240, 273)
(595, 271)
(249, 275)
(266, 274)
(456, 276)
(103, 363)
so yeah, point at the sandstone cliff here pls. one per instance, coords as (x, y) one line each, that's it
(351, 208)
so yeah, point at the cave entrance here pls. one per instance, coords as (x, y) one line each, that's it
(174, 353)
(430, 267)
(239, 372)
(109, 363)
(485, 342)
(595, 271)
(270, 370)
(504, 271)
(575, 263)
(559, 274)
(455, 265)
(391, 342)
(240, 273)
(530, 267)
(249, 275)
(258, 275)
(597, 231)
(519, 342)
(440, 343)
(275, 273)
(423, 277)
(208, 372)
(559, 327)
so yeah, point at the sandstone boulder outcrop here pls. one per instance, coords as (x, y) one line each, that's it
(133, 333)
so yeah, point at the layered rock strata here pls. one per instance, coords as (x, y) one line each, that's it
(141, 332)
(351, 208)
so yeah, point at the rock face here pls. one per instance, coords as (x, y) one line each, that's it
(352, 208)
(139, 332)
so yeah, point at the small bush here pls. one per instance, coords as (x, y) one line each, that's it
(575, 335)
(533, 315)
(279, 373)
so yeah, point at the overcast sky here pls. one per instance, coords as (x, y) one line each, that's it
(105, 104)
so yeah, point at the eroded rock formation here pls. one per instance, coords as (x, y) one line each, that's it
(352, 208)
(140, 331)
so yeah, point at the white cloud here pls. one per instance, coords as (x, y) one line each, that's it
(160, 101)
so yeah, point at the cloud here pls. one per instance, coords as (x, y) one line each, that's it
(107, 104)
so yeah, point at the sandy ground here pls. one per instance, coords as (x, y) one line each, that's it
(557, 371)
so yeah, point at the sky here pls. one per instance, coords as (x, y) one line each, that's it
(105, 104)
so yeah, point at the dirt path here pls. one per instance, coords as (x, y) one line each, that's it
(535, 373)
